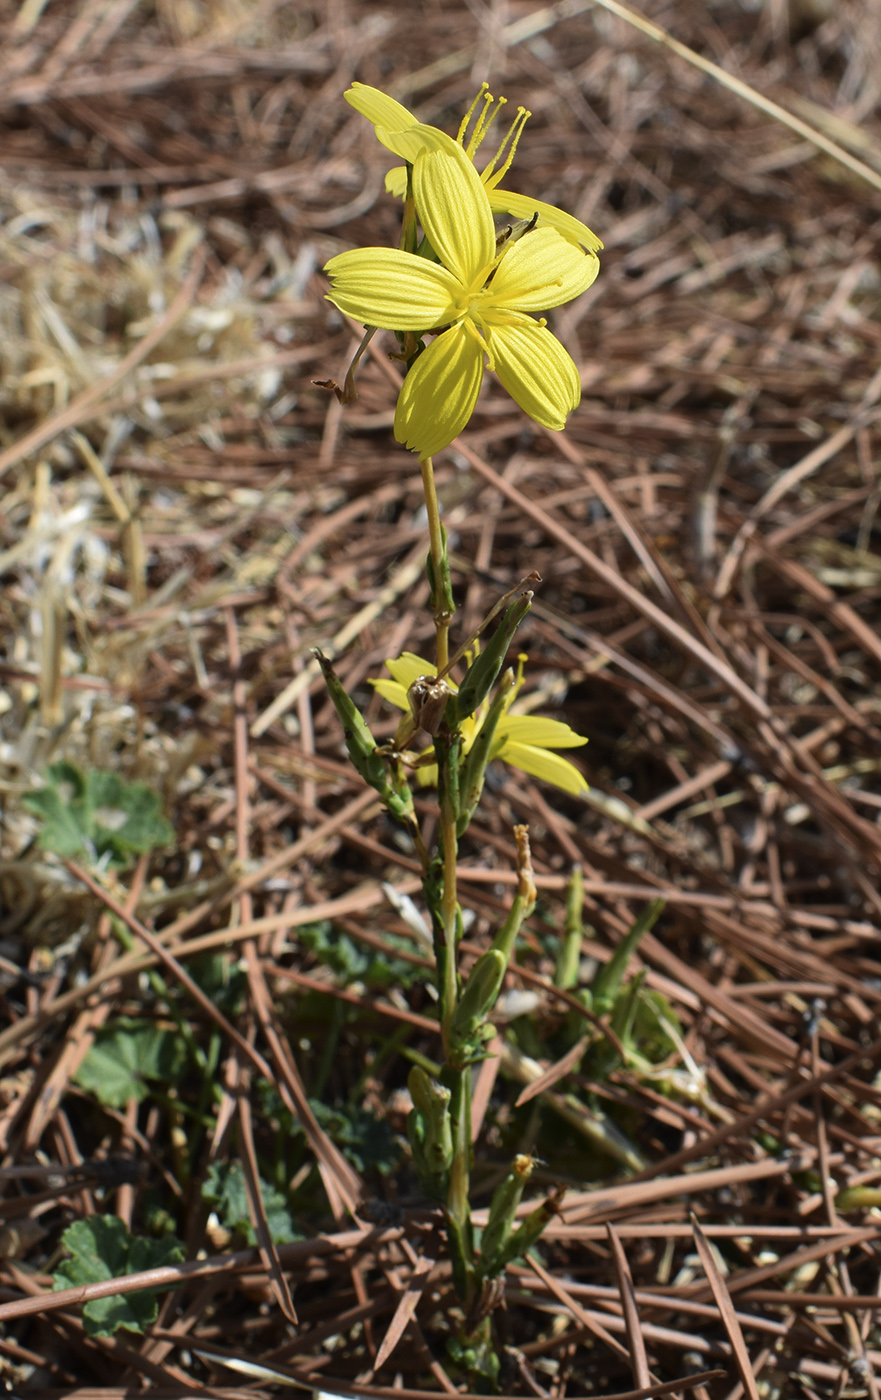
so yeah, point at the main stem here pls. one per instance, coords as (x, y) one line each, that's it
(458, 1078)
(442, 616)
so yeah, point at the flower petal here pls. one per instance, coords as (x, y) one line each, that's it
(522, 207)
(392, 692)
(454, 212)
(540, 270)
(396, 181)
(535, 369)
(408, 667)
(440, 392)
(378, 108)
(548, 766)
(540, 732)
(415, 139)
(386, 287)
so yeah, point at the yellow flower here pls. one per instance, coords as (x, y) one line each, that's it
(478, 294)
(524, 741)
(390, 118)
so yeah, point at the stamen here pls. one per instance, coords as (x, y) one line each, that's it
(486, 120)
(471, 329)
(486, 96)
(491, 179)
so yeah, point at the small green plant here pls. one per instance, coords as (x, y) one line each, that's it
(101, 1248)
(129, 1056)
(98, 815)
(645, 1025)
(343, 956)
(224, 1188)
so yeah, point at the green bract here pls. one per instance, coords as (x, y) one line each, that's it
(477, 300)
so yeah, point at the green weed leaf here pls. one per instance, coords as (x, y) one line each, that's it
(367, 1141)
(100, 1248)
(353, 963)
(99, 815)
(128, 1055)
(225, 1189)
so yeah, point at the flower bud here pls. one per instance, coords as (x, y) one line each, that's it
(502, 1213)
(432, 1102)
(529, 1231)
(362, 748)
(479, 995)
(481, 675)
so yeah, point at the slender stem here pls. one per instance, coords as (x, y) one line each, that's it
(458, 1203)
(448, 907)
(458, 1191)
(442, 616)
(448, 754)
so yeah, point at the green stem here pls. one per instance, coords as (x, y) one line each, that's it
(442, 615)
(458, 1191)
(449, 902)
(446, 913)
(458, 1079)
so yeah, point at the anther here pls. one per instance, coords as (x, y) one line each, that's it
(486, 97)
(491, 179)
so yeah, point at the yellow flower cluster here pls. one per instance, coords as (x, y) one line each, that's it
(524, 741)
(475, 292)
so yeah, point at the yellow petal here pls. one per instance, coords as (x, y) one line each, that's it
(415, 139)
(439, 393)
(391, 691)
(378, 108)
(540, 270)
(427, 776)
(408, 667)
(550, 767)
(386, 287)
(454, 212)
(522, 207)
(540, 732)
(535, 369)
(396, 181)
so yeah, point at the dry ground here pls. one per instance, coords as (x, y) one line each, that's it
(183, 516)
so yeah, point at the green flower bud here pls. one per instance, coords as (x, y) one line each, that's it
(479, 995)
(529, 1231)
(480, 677)
(502, 1213)
(432, 1102)
(368, 759)
(474, 767)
